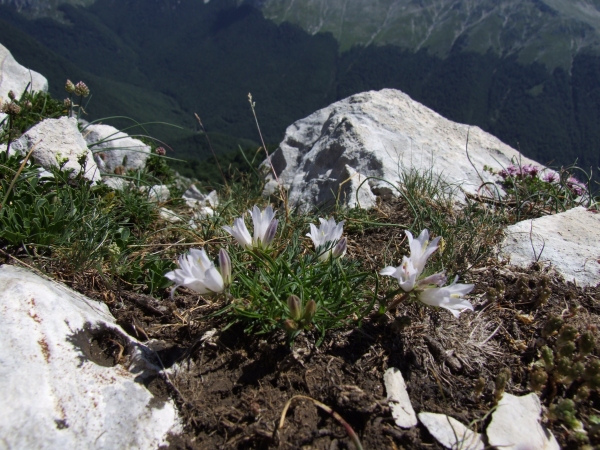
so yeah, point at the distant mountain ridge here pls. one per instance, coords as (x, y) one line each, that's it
(548, 31)
(43, 8)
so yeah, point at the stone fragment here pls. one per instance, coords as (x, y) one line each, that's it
(14, 77)
(569, 241)
(57, 140)
(398, 399)
(516, 425)
(194, 198)
(64, 383)
(115, 150)
(380, 134)
(169, 215)
(450, 432)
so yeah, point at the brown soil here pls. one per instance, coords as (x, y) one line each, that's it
(231, 388)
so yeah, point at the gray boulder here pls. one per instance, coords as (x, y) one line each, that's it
(329, 154)
(58, 140)
(569, 241)
(59, 389)
(14, 77)
(114, 149)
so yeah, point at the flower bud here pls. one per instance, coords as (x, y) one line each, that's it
(67, 102)
(290, 326)
(69, 87)
(340, 248)
(309, 311)
(225, 266)
(160, 151)
(295, 306)
(81, 89)
(269, 236)
(11, 95)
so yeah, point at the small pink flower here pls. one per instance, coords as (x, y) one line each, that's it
(550, 177)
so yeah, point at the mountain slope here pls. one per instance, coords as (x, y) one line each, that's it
(548, 31)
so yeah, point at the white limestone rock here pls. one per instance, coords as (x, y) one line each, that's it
(113, 148)
(398, 399)
(14, 77)
(380, 134)
(56, 139)
(450, 432)
(159, 193)
(57, 391)
(516, 425)
(116, 183)
(569, 241)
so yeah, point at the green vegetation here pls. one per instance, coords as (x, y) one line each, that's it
(205, 58)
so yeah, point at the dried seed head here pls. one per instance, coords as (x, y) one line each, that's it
(67, 102)
(11, 95)
(583, 392)
(12, 109)
(501, 382)
(538, 379)
(563, 366)
(566, 334)
(547, 357)
(160, 151)
(69, 87)
(479, 387)
(81, 89)
(586, 343)
(567, 349)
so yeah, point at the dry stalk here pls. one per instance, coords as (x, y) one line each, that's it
(328, 410)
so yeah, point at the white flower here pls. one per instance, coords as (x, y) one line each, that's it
(265, 228)
(198, 273)
(240, 232)
(411, 268)
(326, 237)
(421, 249)
(405, 273)
(449, 297)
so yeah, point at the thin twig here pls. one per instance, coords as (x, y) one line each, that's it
(281, 191)
(12, 183)
(211, 148)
